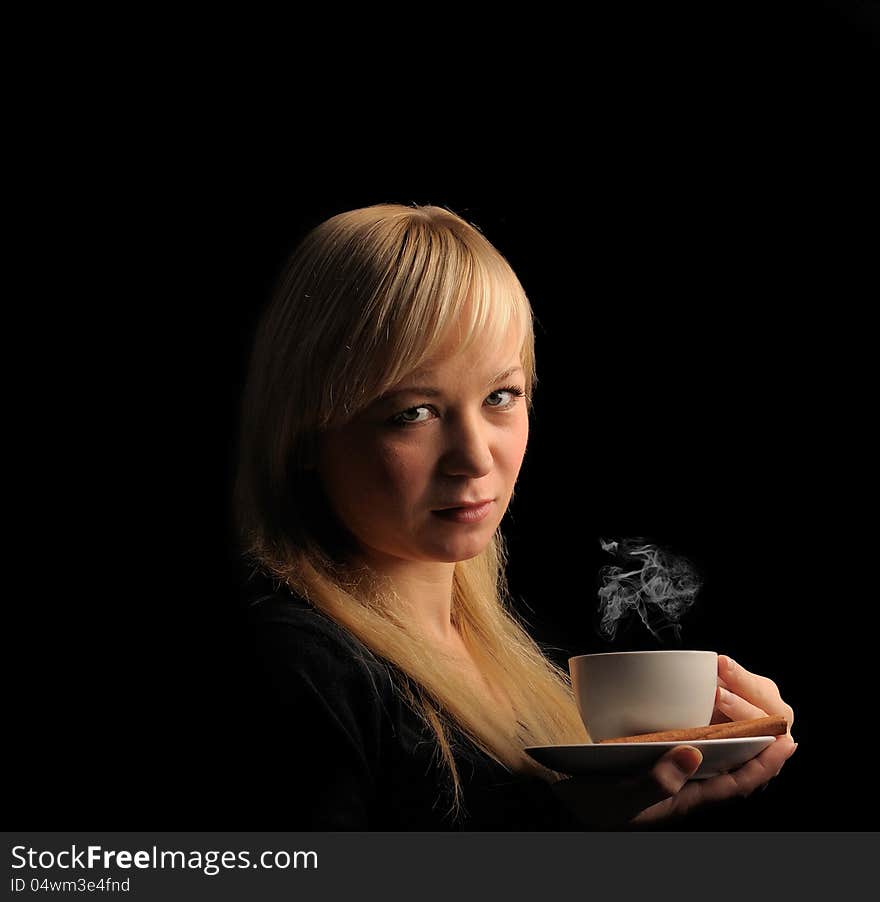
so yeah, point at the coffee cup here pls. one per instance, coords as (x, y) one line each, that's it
(629, 692)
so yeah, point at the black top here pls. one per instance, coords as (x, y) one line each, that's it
(335, 747)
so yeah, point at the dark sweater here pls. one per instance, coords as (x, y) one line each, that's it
(334, 746)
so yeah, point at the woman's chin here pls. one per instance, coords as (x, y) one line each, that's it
(459, 551)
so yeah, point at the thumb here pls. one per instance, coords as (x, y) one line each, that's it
(666, 777)
(605, 803)
(676, 767)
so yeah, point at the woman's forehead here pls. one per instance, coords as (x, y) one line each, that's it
(480, 354)
(492, 340)
(489, 370)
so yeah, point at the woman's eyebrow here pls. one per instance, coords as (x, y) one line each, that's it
(432, 392)
(505, 373)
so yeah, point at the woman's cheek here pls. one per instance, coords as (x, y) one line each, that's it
(398, 467)
(519, 439)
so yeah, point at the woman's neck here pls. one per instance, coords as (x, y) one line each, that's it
(425, 589)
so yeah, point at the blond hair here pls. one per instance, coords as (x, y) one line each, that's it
(365, 299)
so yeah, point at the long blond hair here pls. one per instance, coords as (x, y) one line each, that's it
(365, 299)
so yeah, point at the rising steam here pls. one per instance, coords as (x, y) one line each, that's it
(661, 588)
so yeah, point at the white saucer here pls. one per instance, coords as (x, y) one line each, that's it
(719, 755)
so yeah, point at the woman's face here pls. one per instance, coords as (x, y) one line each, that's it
(388, 472)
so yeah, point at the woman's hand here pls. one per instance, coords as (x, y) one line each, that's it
(740, 695)
(664, 792)
(611, 803)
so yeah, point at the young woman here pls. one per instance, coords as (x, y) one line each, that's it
(384, 423)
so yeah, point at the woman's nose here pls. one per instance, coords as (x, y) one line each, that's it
(468, 451)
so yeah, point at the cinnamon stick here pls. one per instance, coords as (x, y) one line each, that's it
(772, 725)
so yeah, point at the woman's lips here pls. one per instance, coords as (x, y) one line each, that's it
(471, 514)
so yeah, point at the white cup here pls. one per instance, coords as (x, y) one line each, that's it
(628, 692)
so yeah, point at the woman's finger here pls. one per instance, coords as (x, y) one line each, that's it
(659, 789)
(759, 691)
(736, 708)
(718, 715)
(607, 804)
(737, 784)
(743, 781)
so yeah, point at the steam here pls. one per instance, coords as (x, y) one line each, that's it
(661, 588)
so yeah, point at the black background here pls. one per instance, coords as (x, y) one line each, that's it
(693, 216)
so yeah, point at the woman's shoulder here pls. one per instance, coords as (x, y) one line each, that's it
(286, 608)
(288, 634)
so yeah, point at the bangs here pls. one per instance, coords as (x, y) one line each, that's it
(490, 307)
(442, 285)
(481, 306)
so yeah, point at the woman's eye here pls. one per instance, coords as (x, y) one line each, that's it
(411, 416)
(402, 417)
(512, 390)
